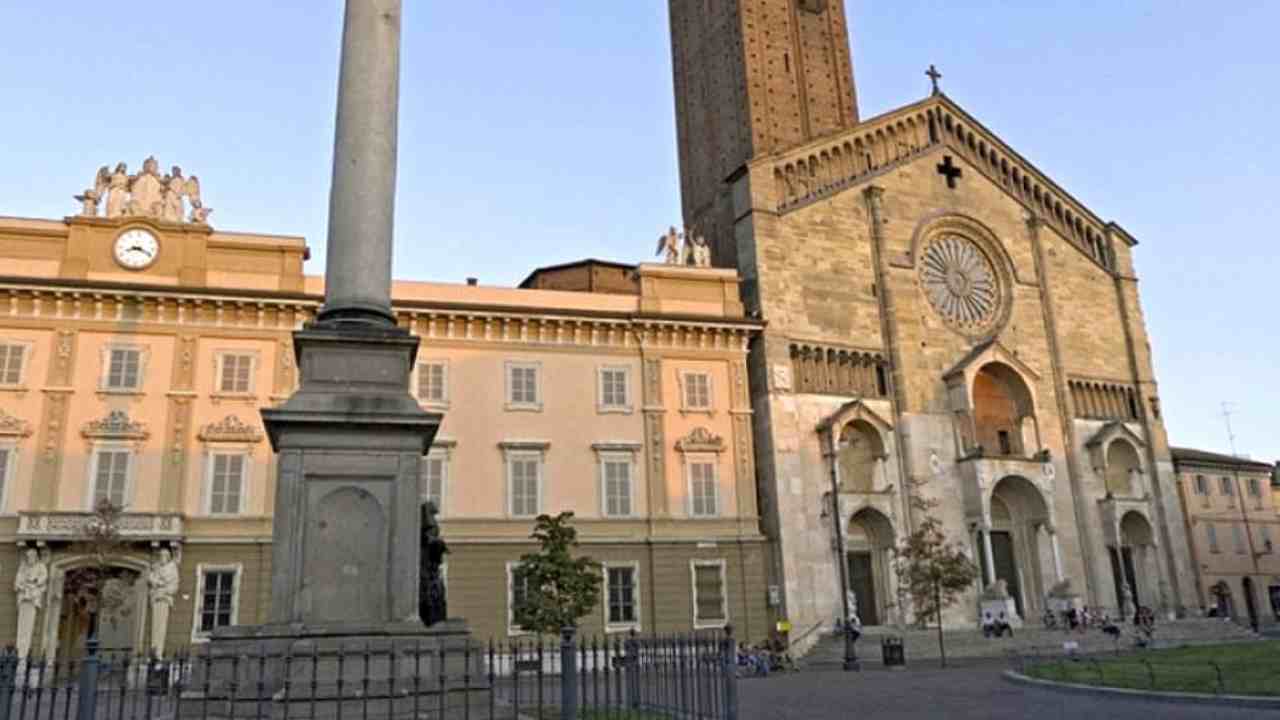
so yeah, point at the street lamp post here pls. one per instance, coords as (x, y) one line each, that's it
(850, 651)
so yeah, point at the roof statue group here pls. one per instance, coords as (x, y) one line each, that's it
(145, 194)
(684, 248)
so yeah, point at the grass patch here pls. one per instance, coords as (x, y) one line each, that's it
(1241, 669)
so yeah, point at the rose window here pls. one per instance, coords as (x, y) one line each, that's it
(960, 282)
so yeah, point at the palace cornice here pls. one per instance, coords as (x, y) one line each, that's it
(59, 299)
(819, 169)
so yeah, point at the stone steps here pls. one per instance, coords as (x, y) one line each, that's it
(970, 644)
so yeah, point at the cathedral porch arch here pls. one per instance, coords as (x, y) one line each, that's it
(1018, 543)
(992, 397)
(1116, 453)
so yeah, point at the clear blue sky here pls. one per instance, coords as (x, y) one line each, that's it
(534, 132)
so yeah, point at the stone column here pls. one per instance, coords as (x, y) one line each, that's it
(1057, 552)
(988, 555)
(362, 195)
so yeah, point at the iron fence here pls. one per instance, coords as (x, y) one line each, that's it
(686, 676)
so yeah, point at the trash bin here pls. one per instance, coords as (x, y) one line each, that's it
(892, 652)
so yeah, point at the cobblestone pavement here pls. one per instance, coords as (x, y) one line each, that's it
(975, 692)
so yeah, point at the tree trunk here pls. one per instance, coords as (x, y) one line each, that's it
(937, 602)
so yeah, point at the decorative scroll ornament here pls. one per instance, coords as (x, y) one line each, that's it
(230, 429)
(115, 426)
(960, 282)
(11, 426)
(700, 439)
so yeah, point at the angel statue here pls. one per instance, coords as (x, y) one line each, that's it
(669, 245)
(89, 200)
(701, 251)
(199, 213)
(118, 191)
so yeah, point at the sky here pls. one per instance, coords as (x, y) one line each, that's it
(534, 132)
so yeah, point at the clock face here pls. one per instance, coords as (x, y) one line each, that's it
(136, 249)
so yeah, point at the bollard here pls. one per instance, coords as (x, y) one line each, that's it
(568, 675)
(87, 705)
(730, 670)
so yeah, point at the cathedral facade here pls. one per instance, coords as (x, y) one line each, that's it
(941, 320)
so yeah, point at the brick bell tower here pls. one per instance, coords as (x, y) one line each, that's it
(752, 77)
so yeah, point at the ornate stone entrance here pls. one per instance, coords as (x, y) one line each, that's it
(84, 598)
(869, 543)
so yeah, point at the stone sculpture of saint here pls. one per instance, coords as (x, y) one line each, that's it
(162, 579)
(145, 190)
(118, 191)
(433, 605)
(701, 252)
(30, 585)
(91, 197)
(175, 187)
(669, 247)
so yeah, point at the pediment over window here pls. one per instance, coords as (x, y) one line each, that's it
(115, 426)
(11, 426)
(985, 352)
(854, 410)
(1101, 441)
(700, 439)
(230, 429)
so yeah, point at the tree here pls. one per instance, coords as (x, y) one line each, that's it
(100, 538)
(560, 588)
(932, 570)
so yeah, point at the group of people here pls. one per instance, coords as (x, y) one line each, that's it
(764, 658)
(996, 626)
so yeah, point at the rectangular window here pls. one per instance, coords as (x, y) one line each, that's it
(124, 369)
(1224, 485)
(524, 481)
(703, 489)
(517, 595)
(1202, 485)
(433, 382)
(237, 373)
(1254, 488)
(709, 606)
(226, 483)
(1212, 532)
(111, 476)
(697, 391)
(522, 386)
(616, 473)
(435, 468)
(621, 582)
(11, 361)
(1238, 535)
(613, 389)
(217, 596)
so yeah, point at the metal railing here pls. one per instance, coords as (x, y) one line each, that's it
(1147, 670)
(638, 677)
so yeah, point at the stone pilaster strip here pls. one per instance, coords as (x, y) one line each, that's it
(654, 438)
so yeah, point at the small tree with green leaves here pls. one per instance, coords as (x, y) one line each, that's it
(100, 537)
(560, 587)
(932, 570)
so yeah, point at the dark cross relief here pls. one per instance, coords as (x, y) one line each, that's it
(934, 76)
(950, 171)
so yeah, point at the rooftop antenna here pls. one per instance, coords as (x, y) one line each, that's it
(1227, 412)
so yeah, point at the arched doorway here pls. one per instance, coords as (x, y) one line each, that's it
(85, 597)
(868, 542)
(1123, 470)
(1018, 511)
(861, 452)
(1223, 604)
(1002, 410)
(1131, 563)
(1250, 605)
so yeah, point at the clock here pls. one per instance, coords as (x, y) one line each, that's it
(136, 249)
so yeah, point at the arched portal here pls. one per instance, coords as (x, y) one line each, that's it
(861, 452)
(83, 595)
(1123, 470)
(1002, 408)
(1015, 552)
(868, 543)
(1133, 563)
